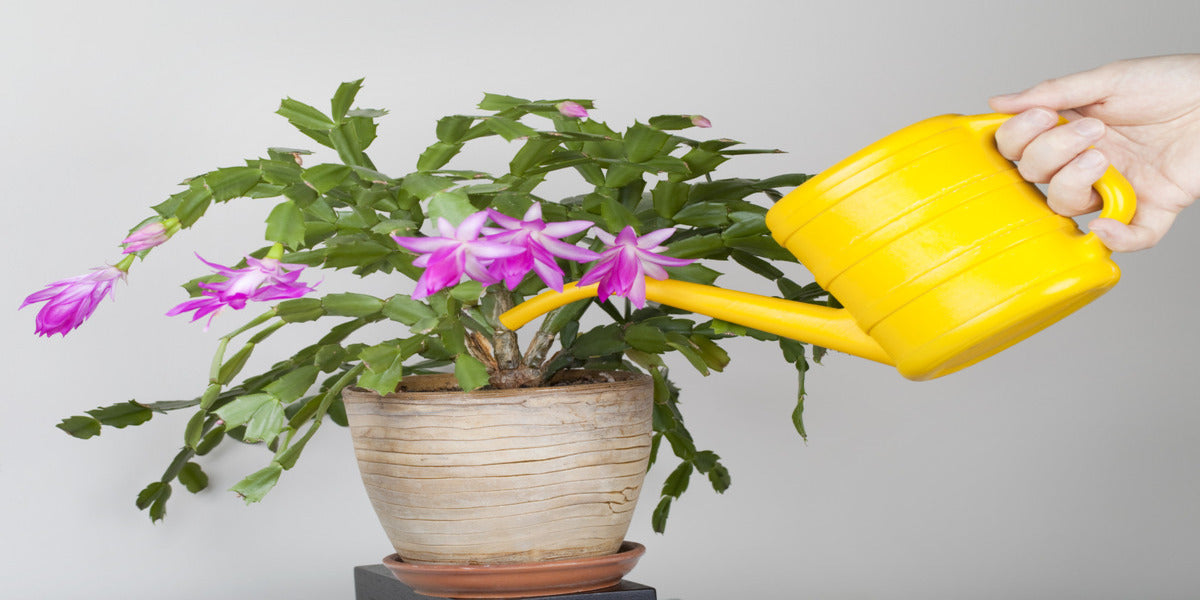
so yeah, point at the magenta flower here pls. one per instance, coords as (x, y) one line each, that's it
(70, 302)
(700, 121)
(571, 109)
(146, 237)
(459, 250)
(263, 280)
(624, 266)
(539, 243)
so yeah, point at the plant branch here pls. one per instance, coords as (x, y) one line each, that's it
(507, 352)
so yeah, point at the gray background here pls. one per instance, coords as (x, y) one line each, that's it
(1062, 468)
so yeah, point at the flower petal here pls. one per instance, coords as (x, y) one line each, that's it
(468, 230)
(550, 274)
(668, 261)
(504, 220)
(534, 213)
(654, 271)
(655, 238)
(424, 245)
(565, 228)
(562, 249)
(486, 249)
(627, 236)
(604, 236)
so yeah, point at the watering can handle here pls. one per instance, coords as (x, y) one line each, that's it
(1120, 202)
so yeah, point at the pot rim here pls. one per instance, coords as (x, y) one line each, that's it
(621, 379)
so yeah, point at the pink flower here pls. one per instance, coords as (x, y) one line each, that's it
(70, 302)
(571, 109)
(700, 121)
(458, 251)
(624, 266)
(263, 280)
(539, 243)
(147, 237)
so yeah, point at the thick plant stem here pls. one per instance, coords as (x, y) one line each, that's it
(510, 372)
(535, 354)
(508, 353)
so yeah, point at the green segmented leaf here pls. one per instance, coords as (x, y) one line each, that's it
(471, 373)
(193, 478)
(256, 485)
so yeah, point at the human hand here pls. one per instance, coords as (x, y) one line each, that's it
(1143, 115)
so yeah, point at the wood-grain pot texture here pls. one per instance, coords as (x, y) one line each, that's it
(503, 476)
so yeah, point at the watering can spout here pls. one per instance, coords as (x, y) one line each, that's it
(832, 328)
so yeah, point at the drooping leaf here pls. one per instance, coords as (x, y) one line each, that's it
(688, 350)
(471, 373)
(643, 143)
(450, 130)
(424, 185)
(658, 520)
(719, 478)
(191, 205)
(671, 122)
(298, 310)
(703, 214)
(405, 310)
(80, 426)
(194, 429)
(437, 155)
(499, 102)
(677, 482)
(256, 485)
(266, 423)
(349, 304)
(291, 386)
(154, 497)
(714, 356)
(122, 415)
(239, 411)
(193, 478)
(325, 176)
(508, 129)
(232, 182)
(600, 341)
(647, 338)
(453, 205)
(532, 153)
(384, 368)
(286, 225)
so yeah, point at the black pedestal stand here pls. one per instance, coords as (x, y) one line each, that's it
(375, 582)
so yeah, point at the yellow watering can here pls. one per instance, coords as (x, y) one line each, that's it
(940, 252)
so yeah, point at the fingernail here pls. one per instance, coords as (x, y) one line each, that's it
(1089, 128)
(1004, 96)
(1090, 160)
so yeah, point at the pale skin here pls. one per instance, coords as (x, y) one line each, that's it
(1140, 115)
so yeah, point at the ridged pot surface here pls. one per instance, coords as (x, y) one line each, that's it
(504, 476)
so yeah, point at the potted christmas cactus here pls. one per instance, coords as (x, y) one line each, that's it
(437, 357)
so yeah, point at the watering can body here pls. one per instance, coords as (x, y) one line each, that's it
(941, 254)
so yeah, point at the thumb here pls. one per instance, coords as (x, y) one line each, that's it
(1120, 237)
(1062, 93)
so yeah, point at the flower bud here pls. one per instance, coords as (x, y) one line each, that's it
(146, 237)
(571, 109)
(700, 121)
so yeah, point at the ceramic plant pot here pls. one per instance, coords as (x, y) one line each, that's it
(504, 476)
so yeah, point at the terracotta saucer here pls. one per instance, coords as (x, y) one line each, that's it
(518, 580)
